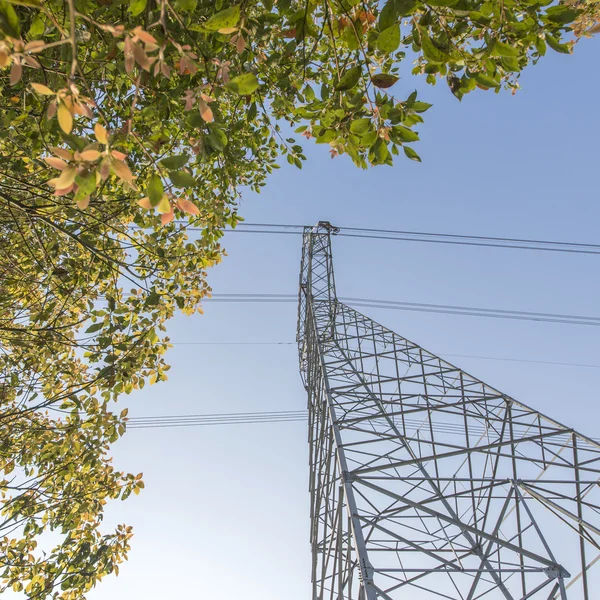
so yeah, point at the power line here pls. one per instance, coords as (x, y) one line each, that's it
(153, 422)
(473, 237)
(233, 343)
(250, 418)
(501, 358)
(429, 237)
(420, 236)
(449, 309)
(496, 313)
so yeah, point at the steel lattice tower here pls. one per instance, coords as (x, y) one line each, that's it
(426, 482)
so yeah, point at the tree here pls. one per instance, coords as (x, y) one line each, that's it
(127, 131)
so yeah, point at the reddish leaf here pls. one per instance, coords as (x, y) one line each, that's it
(166, 218)
(56, 163)
(16, 72)
(188, 207)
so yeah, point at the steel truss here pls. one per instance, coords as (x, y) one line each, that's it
(426, 482)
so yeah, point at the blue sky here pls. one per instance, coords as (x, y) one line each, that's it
(225, 510)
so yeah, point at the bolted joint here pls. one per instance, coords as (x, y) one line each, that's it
(348, 477)
(557, 572)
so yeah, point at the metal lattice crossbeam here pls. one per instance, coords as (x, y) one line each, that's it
(426, 482)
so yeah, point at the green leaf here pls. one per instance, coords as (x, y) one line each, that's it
(37, 28)
(405, 7)
(95, 327)
(389, 40)
(421, 107)
(556, 45)
(31, 3)
(369, 138)
(217, 139)
(384, 80)
(561, 14)
(399, 133)
(186, 5)
(378, 153)
(411, 153)
(360, 126)
(137, 7)
(540, 46)
(153, 299)
(327, 136)
(503, 49)
(349, 37)
(349, 79)
(442, 2)
(174, 162)
(387, 16)
(154, 189)
(243, 84)
(87, 184)
(486, 81)
(9, 21)
(510, 64)
(182, 179)
(431, 53)
(229, 17)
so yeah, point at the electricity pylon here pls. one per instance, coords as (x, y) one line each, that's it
(426, 482)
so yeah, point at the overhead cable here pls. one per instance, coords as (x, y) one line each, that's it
(443, 354)
(496, 313)
(248, 418)
(430, 237)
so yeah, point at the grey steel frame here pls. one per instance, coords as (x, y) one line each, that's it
(425, 482)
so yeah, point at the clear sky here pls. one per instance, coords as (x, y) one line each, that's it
(225, 510)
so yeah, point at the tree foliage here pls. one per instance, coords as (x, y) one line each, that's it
(127, 130)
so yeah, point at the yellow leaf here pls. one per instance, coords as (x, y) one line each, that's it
(89, 155)
(118, 155)
(164, 206)
(121, 170)
(227, 30)
(83, 203)
(65, 118)
(67, 177)
(64, 191)
(100, 133)
(56, 163)
(40, 88)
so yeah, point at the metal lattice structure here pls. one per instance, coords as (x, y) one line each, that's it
(426, 482)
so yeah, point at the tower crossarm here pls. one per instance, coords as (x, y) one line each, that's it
(426, 482)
